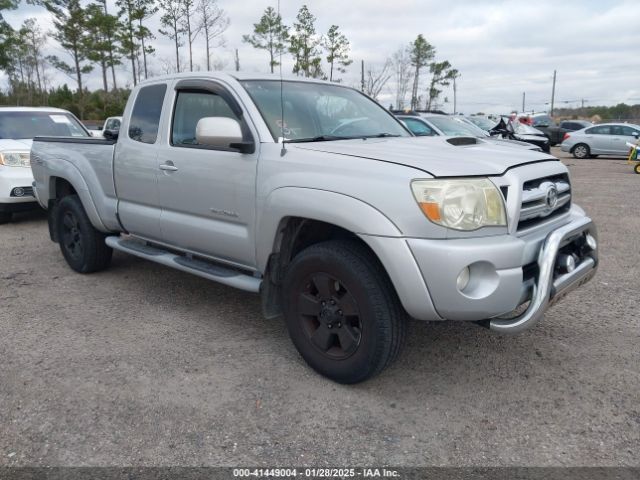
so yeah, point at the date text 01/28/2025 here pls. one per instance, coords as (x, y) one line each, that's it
(315, 472)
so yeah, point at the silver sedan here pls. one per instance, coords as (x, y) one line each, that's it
(603, 139)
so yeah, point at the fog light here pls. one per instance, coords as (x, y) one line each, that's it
(591, 241)
(18, 192)
(463, 279)
(567, 263)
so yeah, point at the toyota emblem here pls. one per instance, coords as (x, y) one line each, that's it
(552, 197)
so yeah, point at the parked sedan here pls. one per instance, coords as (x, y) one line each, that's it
(603, 139)
(430, 124)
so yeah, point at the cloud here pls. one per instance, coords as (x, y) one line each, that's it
(501, 48)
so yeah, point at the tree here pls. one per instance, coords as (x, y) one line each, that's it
(99, 46)
(401, 64)
(191, 31)
(337, 47)
(213, 22)
(5, 32)
(128, 39)
(376, 79)
(421, 53)
(303, 45)
(111, 34)
(69, 19)
(441, 75)
(269, 34)
(171, 20)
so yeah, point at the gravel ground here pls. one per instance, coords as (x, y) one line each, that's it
(143, 365)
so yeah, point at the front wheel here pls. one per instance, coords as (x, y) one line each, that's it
(581, 151)
(81, 244)
(637, 168)
(342, 312)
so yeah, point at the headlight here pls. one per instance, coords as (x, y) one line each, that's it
(15, 159)
(460, 204)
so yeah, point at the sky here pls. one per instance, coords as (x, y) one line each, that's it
(501, 48)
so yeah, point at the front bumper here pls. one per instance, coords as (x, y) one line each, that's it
(505, 272)
(12, 177)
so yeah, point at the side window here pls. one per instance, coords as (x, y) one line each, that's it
(113, 124)
(190, 107)
(600, 130)
(418, 128)
(145, 118)
(628, 131)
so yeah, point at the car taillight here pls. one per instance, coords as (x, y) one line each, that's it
(566, 135)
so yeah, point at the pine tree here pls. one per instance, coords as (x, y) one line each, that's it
(213, 22)
(303, 45)
(269, 34)
(337, 47)
(70, 22)
(441, 75)
(421, 53)
(188, 27)
(171, 21)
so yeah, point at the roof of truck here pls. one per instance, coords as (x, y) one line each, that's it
(235, 76)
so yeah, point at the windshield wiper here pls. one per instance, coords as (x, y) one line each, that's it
(319, 138)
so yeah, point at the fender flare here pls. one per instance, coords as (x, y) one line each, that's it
(335, 208)
(69, 172)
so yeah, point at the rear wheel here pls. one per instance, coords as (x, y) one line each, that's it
(637, 168)
(342, 312)
(581, 151)
(81, 244)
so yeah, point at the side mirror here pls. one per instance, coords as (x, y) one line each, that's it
(111, 134)
(222, 132)
(637, 135)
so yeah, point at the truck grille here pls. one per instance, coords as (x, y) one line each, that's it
(543, 199)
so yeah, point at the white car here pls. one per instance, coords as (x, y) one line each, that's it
(602, 139)
(18, 126)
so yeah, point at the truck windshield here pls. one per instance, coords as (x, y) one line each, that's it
(320, 112)
(26, 125)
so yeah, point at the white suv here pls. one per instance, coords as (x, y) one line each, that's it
(18, 126)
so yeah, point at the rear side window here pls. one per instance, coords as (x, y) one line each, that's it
(599, 130)
(145, 118)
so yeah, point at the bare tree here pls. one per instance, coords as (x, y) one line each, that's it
(401, 62)
(171, 21)
(191, 31)
(376, 79)
(213, 21)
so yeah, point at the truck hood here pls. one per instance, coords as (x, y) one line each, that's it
(433, 155)
(10, 145)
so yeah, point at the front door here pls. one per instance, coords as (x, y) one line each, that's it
(207, 194)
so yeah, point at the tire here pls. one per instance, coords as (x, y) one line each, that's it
(581, 151)
(593, 156)
(81, 244)
(342, 312)
(5, 217)
(637, 168)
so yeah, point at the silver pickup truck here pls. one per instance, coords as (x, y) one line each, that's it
(317, 198)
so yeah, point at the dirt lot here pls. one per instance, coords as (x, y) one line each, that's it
(149, 366)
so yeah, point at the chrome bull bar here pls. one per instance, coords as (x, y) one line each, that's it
(548, 290)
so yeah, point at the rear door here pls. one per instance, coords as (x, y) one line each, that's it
(627, 133)
(136, 164)
(599, 139)
(207, 194)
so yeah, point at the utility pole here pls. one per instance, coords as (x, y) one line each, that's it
(523, 97)
(237, 61)
(455, 91)
(553, 92)
(362, 76)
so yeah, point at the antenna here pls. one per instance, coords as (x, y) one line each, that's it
(284, 148)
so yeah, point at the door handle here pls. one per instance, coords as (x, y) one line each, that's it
(169, 167)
